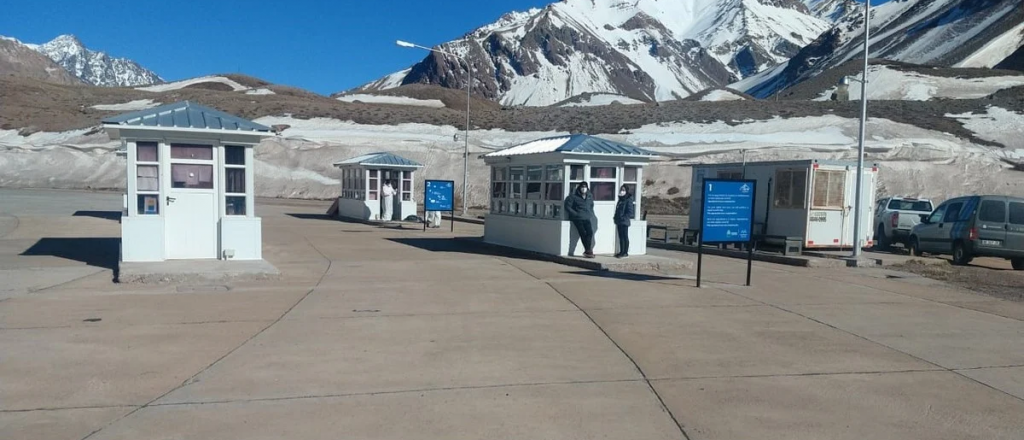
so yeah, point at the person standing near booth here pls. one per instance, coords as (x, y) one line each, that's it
(388, 199)
(625, 210)
(579, 209)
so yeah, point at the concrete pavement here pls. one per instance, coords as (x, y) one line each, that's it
(378, 333)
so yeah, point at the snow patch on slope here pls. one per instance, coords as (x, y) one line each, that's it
(599, 99)
(996, 50)
(139, 104)
(721, 95)
(396, 100)
(997, 125)
(886, 83)
(260, 92)
(177, 85)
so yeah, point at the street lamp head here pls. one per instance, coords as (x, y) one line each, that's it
(404, 43)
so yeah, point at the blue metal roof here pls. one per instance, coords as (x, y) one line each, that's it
(186, 114)
(577, 143)
(380, 159)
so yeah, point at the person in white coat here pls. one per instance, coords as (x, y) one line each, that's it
(434, 219)
(388, 199)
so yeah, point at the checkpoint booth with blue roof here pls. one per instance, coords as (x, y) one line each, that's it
(529, 183)
(362, 184)
(190, 184)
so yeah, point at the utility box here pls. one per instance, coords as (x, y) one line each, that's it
(810, 200)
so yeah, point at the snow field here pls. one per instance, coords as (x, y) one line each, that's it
(395, 100)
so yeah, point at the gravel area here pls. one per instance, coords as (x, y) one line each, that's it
(987, 276)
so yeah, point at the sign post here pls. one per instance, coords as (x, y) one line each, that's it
(439, 195)
(726, 216)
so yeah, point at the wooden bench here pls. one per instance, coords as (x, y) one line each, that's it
(671, 232)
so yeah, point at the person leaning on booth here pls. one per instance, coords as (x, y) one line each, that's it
(579, 209)
(625, 210)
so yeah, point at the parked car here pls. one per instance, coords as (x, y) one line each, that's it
(895, 217)
(973, 226)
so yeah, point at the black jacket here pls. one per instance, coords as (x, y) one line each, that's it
(579, 207)
(625, 210)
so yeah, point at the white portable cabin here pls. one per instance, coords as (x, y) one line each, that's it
(190, 184)
(362, 185)
(811, 199)
(529, 184)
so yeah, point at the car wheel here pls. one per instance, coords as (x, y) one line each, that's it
(915, 247)
(881, 240)
(1018, 263)
(961, 256)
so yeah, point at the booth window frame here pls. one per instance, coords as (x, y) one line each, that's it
(142, 195)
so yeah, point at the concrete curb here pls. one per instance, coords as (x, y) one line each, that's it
(179, 271)
(802, 261)
(601, 263)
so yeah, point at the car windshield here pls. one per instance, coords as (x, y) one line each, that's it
(911, 205)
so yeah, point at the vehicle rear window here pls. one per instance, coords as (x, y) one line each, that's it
(992, 211)
(1017, 213)
(953, 212)
(911, 205)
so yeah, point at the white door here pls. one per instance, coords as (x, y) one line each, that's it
(191, 225)
(191, 219)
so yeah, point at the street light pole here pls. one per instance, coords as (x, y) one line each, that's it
(465, 150)
(858, 203)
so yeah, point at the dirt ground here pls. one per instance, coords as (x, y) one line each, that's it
(989, 276)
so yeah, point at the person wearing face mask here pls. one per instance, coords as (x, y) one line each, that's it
(579, 209)
(625, 210)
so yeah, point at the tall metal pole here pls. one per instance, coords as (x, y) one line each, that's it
(469, 83)
(465, 153)
(857, 204)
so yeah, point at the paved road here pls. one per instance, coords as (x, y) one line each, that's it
(397, 334)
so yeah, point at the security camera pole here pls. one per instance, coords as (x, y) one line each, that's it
(465, 152)
(857, 203)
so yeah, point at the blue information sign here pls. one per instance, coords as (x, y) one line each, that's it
(728, 211)
(439, 195)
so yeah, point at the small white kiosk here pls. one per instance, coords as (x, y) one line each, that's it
(529, 184)
(362, 182)
(190, 184)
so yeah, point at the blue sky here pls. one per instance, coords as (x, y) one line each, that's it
(324, 46)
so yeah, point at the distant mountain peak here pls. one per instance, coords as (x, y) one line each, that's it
(644, 49)
(95, 67)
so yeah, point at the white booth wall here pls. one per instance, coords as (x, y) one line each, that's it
(197, 224)
(361, 200)
(539, 225)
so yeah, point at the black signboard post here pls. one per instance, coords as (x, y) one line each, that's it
(727, 216)
(439, 195)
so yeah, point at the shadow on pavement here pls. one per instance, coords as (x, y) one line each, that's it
(93, 251)
(626, 276)
(106, 215)
(304, 216)
(458, 246)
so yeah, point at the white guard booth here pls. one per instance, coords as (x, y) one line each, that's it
(529, 184)
(811, 199)
(190, 184)
(362, 184)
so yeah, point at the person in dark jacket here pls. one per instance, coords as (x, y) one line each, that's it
(579, 209)
(625, 210)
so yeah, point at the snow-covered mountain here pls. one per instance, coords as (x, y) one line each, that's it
(931, 32)
(831, 10)
(643, 49)
(17, 59)
(96, 68)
